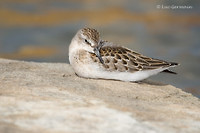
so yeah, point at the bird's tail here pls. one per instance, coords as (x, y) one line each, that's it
(172, 64)
(168, 71)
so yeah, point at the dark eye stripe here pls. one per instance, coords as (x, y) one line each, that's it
(86, 41)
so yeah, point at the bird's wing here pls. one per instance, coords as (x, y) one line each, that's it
(118, 58)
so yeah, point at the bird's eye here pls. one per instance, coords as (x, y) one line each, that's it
(86, 41)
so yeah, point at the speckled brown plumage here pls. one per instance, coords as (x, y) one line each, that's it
(117, 58)
(91, 34)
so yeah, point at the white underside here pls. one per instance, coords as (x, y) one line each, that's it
(126, 76)
(94, 71)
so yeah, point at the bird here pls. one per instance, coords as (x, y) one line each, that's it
(91, 57)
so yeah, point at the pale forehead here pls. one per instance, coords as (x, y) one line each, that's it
(91, 34)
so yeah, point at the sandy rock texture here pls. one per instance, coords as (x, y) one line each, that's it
(50, 98)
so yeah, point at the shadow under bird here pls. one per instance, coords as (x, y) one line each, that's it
(91, 57)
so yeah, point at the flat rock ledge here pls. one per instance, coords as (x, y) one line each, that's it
(50, 98)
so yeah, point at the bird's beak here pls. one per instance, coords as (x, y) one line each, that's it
(97, 53)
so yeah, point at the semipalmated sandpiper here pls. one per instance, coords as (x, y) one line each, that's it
(91, 57)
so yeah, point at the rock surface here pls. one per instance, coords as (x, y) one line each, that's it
(49, 97)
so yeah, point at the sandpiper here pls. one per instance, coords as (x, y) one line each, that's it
(92, 57)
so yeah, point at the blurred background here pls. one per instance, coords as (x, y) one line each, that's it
(41, 31)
